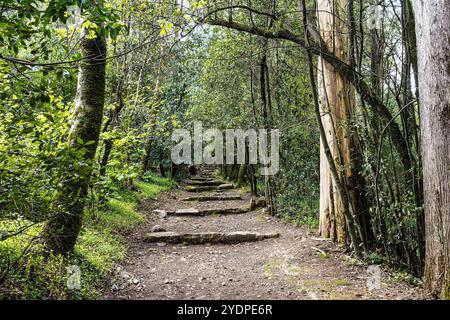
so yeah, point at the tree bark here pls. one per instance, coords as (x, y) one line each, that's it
(433, 38)
(111, 122)
(241, 175)
(61, 231)
(342, 193)
(337, 101)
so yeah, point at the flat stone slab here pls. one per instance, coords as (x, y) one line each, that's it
(187, 212)
(207, 183)
(206, 212)
(209, 188)
(208, 237)
(226, 186)
(201, 178)
(214, 198)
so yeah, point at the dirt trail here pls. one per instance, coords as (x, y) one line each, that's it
(295, 266)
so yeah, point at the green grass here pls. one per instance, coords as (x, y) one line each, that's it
(302, 213)
(100, 245)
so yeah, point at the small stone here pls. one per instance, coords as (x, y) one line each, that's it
(136, 281)
(161, 213)
(167, 281)
(161, 244)
(114, 288)
(156, 229)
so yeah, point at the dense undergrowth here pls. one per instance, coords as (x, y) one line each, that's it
(27, 274)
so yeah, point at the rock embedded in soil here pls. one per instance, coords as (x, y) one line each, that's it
(200, 178)
(162, 213)
(156, 229)
(208, 237)
(214, 198)
(227, 186)
(187, 212)
(206, 212)
(207, 183)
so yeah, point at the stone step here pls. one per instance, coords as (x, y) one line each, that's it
(214, 198)
(193, 178)
(206, 212)
(207, 183)
(208, 237)
(227, 186)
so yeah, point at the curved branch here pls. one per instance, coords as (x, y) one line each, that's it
(317, 46)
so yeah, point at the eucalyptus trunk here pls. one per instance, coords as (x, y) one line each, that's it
(337, 103)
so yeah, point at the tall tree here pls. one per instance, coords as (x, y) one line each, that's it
(61, 230)
(433, 37)
(337, 101)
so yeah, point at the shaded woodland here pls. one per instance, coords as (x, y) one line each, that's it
(91, 92)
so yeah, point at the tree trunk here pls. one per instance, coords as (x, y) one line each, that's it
(265, 94)
(173, 170)
(146, 158)
(61, 231)
(337, 101)
(433, 38)
(111, 122)
(338, 181)
(162, 171)
(241, 175)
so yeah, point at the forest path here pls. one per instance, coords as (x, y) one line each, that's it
(297, 265)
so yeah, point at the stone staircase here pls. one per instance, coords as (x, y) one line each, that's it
(210, 190)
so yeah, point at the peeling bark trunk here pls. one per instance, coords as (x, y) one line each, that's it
(337, 101)
(433, 38)
(61, 231)
(341, 190)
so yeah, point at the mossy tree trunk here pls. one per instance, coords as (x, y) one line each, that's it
(62, 229)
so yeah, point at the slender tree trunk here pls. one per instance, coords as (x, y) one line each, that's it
(110, 123)
(433, 38)
(162, 171)
(268, 191)
(173, 170)
(241, 175)
(146, 158)
(61, 231)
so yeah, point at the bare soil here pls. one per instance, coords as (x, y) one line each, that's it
(298, 265)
